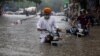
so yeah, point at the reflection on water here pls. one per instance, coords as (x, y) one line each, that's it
(23, 40)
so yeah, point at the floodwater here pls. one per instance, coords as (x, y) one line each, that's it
(23, 40)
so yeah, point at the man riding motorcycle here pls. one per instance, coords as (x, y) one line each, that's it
(47, 26)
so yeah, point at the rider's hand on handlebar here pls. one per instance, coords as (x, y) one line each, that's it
(45, 30)
(41, 29)
(59, 30)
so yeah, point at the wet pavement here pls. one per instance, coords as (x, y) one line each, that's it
(23, 40)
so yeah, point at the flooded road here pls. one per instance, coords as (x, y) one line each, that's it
(23, 40)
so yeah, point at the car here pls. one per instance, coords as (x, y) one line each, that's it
(60, 14)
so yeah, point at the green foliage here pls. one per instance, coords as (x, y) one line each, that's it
(3, 1)
(11, 0)
(36, 1)
(17, 0)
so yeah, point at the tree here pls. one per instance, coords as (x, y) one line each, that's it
(2, 2)
(37, 2)
(1, 5)
(83, 4)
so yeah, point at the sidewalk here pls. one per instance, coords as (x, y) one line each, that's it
(28, 17)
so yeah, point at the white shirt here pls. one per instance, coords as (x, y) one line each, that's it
(49, 25)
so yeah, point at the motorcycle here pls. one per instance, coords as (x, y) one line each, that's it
(52, 37)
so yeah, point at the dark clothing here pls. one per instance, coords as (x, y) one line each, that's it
(90, 18)
(83, 21)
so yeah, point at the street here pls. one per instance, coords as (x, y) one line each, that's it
(23, 40)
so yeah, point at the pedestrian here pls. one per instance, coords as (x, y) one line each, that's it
(46, 23)
(73, 23)
(84, 21)
(41, 14)
(27, 13)
(90, 17)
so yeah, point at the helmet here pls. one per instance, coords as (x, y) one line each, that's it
(47, 10)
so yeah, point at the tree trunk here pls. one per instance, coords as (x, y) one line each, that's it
(36, 8)
(0, 10)
(1, 7)
(83, 4)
